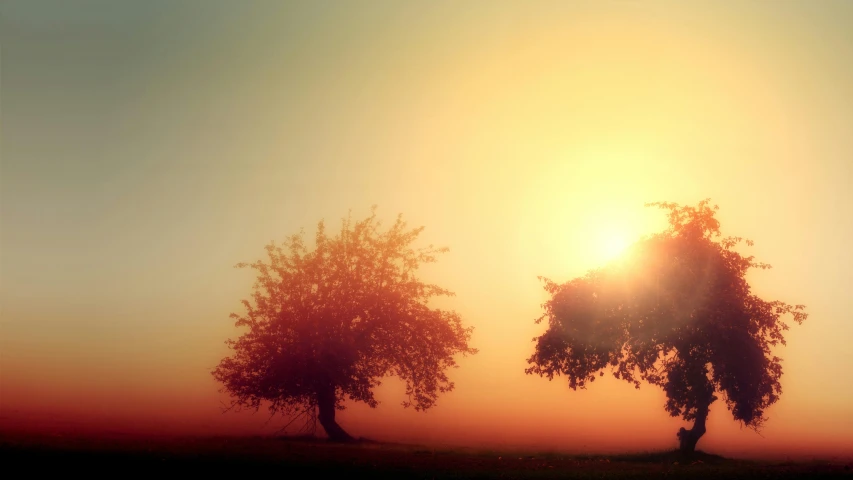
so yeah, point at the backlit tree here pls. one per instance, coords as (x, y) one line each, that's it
(675, 311)
(327, 324)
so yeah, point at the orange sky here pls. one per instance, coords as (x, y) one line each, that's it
(149, 146)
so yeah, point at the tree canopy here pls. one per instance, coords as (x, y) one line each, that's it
(327, 324)
(674, 311)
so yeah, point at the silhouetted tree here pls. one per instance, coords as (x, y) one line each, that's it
(675, 311)
(329, 323)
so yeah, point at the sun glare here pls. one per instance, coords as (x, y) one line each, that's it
(612, 245)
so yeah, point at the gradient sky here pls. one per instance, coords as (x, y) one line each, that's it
(149, 146)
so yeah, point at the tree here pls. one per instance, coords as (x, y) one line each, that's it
(675, 311)
(330, 323)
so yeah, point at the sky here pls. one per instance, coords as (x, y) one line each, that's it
(148, 147)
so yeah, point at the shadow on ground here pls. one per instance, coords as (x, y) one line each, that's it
(304, 456)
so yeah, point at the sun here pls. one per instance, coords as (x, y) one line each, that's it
(611, 245)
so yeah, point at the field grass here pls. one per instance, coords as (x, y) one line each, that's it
(303, 458)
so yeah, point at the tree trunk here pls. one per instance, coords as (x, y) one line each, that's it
(326, 403)
(687, 439)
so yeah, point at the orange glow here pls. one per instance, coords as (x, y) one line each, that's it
(145, 153)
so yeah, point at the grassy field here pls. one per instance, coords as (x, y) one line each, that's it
(303, 458)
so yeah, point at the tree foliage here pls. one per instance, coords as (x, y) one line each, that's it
(675, 311)
(332, 321)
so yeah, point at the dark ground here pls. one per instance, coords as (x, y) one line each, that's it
(309, 458)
